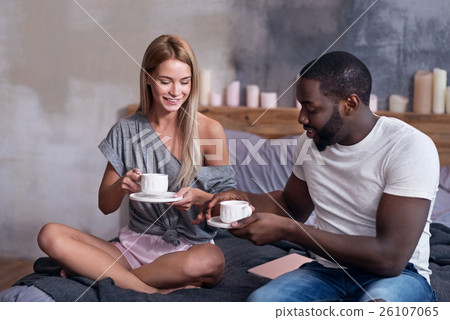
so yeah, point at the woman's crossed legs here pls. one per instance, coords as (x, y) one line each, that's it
(86, 255)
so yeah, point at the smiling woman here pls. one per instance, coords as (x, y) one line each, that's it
(160, 78)
(170, 84)
(163, 137)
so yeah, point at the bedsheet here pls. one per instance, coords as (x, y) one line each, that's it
(235, 285)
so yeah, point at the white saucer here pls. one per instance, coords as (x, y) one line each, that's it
(160, 198)
(217, 223)
(156, 194)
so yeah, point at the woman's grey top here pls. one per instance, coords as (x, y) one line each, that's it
(132, 143)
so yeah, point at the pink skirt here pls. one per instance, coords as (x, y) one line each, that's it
(141, 249)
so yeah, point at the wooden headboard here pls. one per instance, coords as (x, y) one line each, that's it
(280, 122)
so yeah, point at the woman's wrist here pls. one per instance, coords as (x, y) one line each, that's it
(195, 200)
(116, 190)
(200, 197)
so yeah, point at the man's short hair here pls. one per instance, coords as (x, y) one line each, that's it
(340, 74)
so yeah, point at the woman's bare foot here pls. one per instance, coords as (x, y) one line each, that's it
(64, 273)
(166, 291)
(148, 289)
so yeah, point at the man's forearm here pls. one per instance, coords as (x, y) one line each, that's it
(272, 202)
(362, 252)
(275, 202)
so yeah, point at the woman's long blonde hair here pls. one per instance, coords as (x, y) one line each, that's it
(161, 49)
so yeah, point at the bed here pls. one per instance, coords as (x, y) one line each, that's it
(254, 149)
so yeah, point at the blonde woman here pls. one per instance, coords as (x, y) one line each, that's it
(160, 249)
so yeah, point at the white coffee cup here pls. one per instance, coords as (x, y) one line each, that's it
(233, 210)
(154, 183)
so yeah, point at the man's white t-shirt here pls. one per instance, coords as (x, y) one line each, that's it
(346, 182)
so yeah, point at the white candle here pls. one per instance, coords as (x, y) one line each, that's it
(233, 94)
(373, 102)
(397, 103)
(205, 86)
(447, 99)
(439, 85)
(423, 92)
(216, 99)
(268, 100)
(252, 96)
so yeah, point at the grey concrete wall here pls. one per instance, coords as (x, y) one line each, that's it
(64, 82)
(273, 40)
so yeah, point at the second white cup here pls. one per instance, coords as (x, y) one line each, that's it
(154, 183)
(233, 210)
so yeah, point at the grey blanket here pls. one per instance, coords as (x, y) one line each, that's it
(440, 260)
(236, 283)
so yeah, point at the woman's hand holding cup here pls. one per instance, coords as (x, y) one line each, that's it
(128, 183)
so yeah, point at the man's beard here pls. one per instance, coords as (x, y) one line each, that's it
(328, 135)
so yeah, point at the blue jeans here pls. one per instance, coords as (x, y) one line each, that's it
(314, 282)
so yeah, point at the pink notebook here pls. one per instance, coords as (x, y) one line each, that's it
(277, 267)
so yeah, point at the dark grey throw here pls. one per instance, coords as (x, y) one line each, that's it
(236, 283)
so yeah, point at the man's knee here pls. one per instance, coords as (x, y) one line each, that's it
(408, 287)
(259, 295)
(271, 292)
